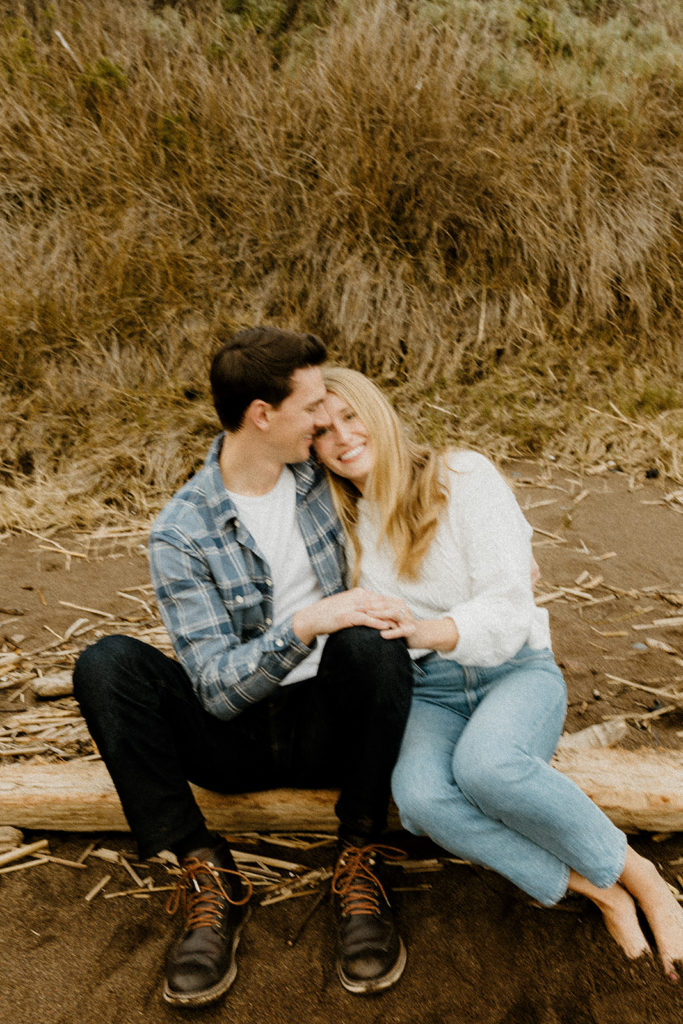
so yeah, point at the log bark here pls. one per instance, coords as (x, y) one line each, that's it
(638, 790)
(78, 796)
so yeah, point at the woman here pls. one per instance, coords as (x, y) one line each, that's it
(444, 535)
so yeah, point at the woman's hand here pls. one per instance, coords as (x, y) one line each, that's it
(390, 615)
(400, 621)
(430, 634)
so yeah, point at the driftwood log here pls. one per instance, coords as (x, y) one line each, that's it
(638, 790)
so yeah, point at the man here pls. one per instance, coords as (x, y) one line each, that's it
(282, 678)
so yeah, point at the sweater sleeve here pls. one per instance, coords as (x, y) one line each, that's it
(487, 524)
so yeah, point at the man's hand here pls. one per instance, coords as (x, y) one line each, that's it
(357, 607)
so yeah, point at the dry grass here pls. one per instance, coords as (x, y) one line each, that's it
(477, 203)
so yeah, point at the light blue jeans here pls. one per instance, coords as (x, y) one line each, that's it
(473, 774)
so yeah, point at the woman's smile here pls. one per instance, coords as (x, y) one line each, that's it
(344, 446)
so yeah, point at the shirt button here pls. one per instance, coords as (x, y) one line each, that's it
(239, 599)
(269, 622)
(279, 643)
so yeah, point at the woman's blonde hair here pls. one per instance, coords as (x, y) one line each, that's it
(407, 481)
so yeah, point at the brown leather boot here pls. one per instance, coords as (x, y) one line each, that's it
(371, 955)
(202, 964)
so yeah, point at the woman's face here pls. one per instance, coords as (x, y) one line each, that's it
(344, 446)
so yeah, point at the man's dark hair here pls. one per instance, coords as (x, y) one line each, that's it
(258, 363)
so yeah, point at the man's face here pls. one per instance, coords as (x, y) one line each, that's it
(294, 423)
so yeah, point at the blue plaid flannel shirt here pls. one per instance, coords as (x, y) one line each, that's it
(215, 593)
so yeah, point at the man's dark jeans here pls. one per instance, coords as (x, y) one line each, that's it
(341, 729)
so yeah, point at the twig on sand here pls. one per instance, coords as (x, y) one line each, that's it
(24, 864)
(91, 611)
(97, 888)
(656, 691)
(298, 931)
(22, 851)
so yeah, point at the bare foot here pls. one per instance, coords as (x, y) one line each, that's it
(663, 912)
(619, 912)
(621, 920)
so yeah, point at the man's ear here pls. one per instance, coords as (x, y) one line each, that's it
(259, 414)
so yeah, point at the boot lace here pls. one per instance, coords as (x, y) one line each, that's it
(355, 881)
(203, 895)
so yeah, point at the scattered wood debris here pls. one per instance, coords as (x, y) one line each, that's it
(430, 864)
(57, 684)
(603, 734)
(659, 645)
(55, 728)
(97, 888)
(665, 694)
(301, 840)
(22, 851)
(277, 880)
(23, 865)
(10, 838)
(298, 931)
(47, 724)
(305, 885)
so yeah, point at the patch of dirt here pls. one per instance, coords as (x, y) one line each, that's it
(479, 952)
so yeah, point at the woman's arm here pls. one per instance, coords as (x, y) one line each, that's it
(491, 542)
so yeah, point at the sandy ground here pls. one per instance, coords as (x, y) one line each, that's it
(479, 951)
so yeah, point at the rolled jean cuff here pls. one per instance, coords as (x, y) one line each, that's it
(602, 879)
(561, 890)
(606, 878)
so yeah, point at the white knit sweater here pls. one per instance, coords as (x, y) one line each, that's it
(477, 570)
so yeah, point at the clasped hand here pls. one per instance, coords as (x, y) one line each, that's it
(390, 615)
(356, 607)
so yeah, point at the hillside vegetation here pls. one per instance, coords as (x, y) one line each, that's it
(478, 203)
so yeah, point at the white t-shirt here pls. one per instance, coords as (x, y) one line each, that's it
(477, 570)
(271, 520)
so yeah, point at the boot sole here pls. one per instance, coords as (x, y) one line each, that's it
(368, 986)
(209, 995)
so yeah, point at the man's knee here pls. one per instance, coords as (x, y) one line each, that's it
(100, 664)
(367, 647)
(379, 669)
(354, 638)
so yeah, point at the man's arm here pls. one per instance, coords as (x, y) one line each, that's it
(355, 607)
(208, 629)
(233, 658)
